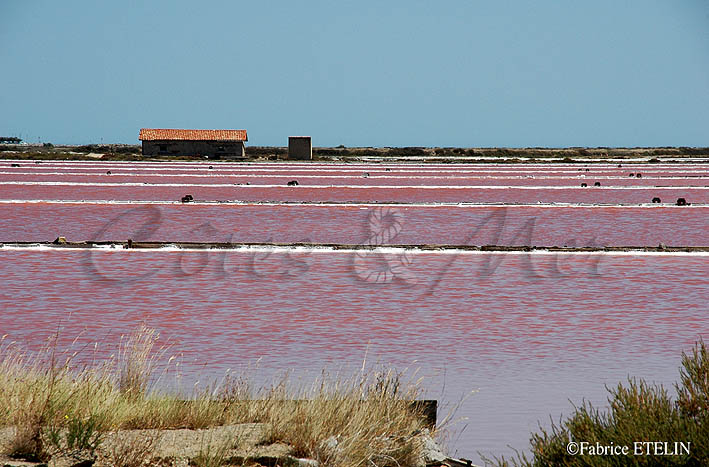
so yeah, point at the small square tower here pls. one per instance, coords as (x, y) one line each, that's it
(300, 147)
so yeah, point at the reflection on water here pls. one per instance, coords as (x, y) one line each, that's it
(433, 225)
(528, 331)
(360, 194)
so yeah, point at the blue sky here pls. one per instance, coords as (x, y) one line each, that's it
(394, 73)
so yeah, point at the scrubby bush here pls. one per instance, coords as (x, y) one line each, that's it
(404, 152)
(108, 148)
(694, 151)
(331, 152)
(638, 412)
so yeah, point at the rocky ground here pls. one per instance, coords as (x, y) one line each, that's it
(245, 445)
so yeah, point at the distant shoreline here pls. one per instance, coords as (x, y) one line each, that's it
(129, 152)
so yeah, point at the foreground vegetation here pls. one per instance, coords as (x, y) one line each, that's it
(59, 408)
(638, 412)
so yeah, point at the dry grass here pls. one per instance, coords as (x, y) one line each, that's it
(131, 451)
(365, 419)
(136, 362)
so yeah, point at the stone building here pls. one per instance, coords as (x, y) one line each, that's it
(214, 144)
(300, 147)
(10, 139)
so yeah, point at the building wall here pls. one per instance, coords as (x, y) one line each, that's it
(211, 149)
(300, 147)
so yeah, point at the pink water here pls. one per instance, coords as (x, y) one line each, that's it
(352, 224)
(347, 179)
(529, 331)
(365, 194)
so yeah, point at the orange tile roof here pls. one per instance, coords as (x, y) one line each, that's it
(153, 134)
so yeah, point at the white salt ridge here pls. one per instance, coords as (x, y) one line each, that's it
(578, 177)
(204, 166)
(327, 249)
(358, 171)
(357, 187)
(354, 204)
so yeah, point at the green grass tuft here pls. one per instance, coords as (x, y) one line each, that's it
(638, 412)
